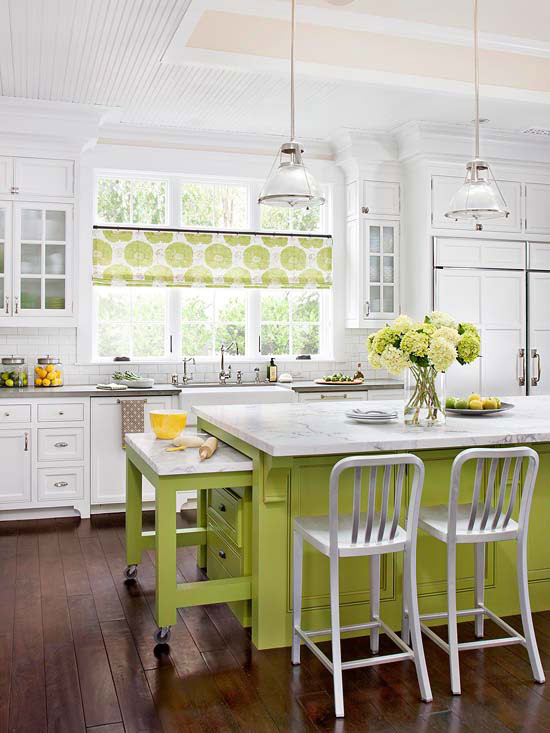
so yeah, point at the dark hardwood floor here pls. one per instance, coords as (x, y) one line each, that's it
(76, 654)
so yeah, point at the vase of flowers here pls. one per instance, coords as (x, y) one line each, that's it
(424, 350)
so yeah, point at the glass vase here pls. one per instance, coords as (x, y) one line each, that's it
(424, 397)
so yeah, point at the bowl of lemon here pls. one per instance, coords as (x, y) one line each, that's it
(475, 405)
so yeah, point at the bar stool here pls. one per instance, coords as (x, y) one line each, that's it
(369, 533)
(481, 522)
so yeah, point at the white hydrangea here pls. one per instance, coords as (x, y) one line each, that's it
(375, 359)
(394, 360)
(403, 323)
(440, 319)
(441, 353)
(450, 334)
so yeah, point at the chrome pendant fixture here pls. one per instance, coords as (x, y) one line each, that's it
(479, 197)
(289, 182)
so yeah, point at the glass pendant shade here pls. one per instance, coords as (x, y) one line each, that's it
(289, 182)
(479, 197)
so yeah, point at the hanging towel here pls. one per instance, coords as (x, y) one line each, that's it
(133, 417)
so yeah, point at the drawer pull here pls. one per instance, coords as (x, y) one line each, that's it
(221, 553)
(62, 444)
(7, 414)
(221, 507)
(60, 484)
(61, 412)
(26, 441)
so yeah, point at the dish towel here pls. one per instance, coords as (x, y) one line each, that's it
(133, 417)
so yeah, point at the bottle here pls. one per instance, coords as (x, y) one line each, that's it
(272, 371)
(358, 374)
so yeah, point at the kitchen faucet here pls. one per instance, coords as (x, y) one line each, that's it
(185, 379)
(224, 376)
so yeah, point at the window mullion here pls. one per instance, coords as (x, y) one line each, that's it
(253, 324)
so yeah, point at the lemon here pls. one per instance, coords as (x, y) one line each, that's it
(50, 368)
(489, 403)
(45, 382)
(38, 382)
(475, 405)
(474, 397)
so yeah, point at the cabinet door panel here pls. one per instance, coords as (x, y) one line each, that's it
(537, 208)
(15, 459)
(108, 457)
(381, 198)
(6, 300)
(539, 332)
(380, 269)
(6, 174)
(44, 177)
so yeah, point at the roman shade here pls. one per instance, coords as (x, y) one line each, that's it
(178, 258)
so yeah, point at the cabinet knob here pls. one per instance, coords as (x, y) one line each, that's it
(60, 484)
(221, 507)
(221, 553)
(7, 414)
(365, 209)
(61, 412)
(62, 444)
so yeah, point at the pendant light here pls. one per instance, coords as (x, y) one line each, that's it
(289, 182)
(479, 197)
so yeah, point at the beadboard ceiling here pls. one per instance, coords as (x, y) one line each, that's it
(155, 61)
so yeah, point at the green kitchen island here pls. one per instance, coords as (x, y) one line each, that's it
(293, 448)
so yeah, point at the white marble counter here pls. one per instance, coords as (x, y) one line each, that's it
(322, 428)
(163, 463)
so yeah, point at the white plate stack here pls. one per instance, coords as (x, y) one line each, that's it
(372, 416)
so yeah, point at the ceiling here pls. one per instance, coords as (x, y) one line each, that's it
(222, 65)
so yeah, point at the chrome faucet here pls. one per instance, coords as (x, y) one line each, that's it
(225, 375)
(185, 379)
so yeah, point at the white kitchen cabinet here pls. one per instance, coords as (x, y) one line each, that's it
(380, 198)
(489, 253)
(445, 187)
(30, 178)
(36, 271)
(393, 393)
(108, 467)
(15, 459)
(539, 333)
(537, 208)
(494, 301)
(55, 484)
(539, 256)
(335, 396)
(6, 175)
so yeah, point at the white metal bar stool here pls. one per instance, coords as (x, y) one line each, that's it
(480, 522)
(364, 533)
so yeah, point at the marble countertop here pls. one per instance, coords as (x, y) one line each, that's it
(320, 428)
(84, 390)
(163, 463)
(312, 386)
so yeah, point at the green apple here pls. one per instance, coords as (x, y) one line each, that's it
(461, 404)
(450, 402)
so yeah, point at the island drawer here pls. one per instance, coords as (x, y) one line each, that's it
(225, 509)
(335, 396)
(223, 552)
(60, 412)
(15, 413)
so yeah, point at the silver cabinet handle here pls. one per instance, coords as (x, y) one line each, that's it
(62, 444)
(365, 209)
(26, 441)
(60, 484)
(61, 412)
(366, 309)
(535, 355)
(521, 375)
(16, 300)
(7, 305)
(334, 397)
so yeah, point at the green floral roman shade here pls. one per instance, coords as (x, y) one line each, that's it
(210, 259)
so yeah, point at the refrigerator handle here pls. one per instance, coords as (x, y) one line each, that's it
(521, 375)
(535, 355)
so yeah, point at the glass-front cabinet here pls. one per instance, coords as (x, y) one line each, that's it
(37, 259)
(380, 243)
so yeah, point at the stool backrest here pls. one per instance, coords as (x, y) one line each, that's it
(496, 510)
(389, 518)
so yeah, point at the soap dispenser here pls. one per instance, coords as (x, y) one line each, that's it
(272, 371)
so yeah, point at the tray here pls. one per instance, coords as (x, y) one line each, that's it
(504, 406)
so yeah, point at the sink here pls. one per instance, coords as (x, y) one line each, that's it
(198, 385)
(235, 394)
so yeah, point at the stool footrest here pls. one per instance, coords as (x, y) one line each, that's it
(353, 627)
(225, 590)
(185, 537)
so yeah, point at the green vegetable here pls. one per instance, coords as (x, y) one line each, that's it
(130, 376)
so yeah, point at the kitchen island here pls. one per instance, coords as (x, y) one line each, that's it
(293, 448)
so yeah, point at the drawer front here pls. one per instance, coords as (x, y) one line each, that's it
(60, 412)
(385, 394)
(60, 444)
(59, 483)
(226, 510)
(15, 413)
(333, 396)
(224, 553)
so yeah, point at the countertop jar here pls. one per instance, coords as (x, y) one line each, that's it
(48, 372)
(14, 372)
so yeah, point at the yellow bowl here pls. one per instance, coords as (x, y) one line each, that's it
(167, 424)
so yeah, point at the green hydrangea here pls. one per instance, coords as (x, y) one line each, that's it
(439, 319)
(375, 360)
(385, 337)
(415, 343)
(450, 334)
(442, 353)
(468, 347)
(403, 323)
(394, 360)
(467, 328)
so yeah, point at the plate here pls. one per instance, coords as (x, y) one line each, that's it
(370, 420)
(355, 381)
(143, 383)
(477, 413)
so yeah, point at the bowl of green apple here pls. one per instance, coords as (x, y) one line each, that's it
(475, 405)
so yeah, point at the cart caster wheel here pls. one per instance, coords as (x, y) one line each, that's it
(162, 635)
(130, 572)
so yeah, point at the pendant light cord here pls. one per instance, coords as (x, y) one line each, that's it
(476, 76)
(292, 33)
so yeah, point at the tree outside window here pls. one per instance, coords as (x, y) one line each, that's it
(131, 201)
(278, 219)
(210, 318)
(290, 323)
(208, 205)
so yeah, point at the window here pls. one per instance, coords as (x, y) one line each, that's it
(290, 322)
(210, 318)
(277, 219)
(209, 205)
(131, 322)
(131, 201)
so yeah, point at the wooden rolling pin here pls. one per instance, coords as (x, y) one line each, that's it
(208, 448)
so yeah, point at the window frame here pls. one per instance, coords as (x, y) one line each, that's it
(182, 181)
(130, 175)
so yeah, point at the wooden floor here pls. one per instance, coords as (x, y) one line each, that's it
(76, 654)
